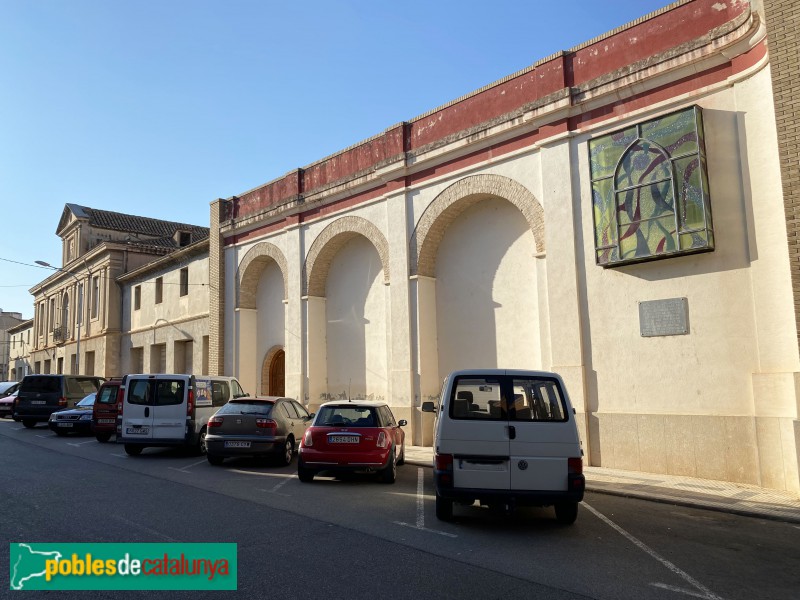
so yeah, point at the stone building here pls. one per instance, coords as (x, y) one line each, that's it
(8, 320)
(19, 354)
(617, 212)
(165, 314)
(78, 314)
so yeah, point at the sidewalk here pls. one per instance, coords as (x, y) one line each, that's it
(736, 498)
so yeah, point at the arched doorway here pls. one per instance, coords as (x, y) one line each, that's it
(273, 374)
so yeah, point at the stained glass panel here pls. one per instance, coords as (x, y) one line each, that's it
(604, 152)
(646, 180)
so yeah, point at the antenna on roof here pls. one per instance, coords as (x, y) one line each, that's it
(349, 388)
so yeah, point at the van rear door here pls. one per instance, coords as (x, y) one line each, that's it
(170, 407)
(544, 435)
(476, 433)
(137, 413)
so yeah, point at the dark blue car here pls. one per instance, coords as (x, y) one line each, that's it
(74, 420)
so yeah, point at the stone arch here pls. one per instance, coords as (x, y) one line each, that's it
(250, 269)
(456, 199)
(330, 241)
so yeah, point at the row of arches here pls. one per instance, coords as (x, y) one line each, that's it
(424, 241)
(460, 272)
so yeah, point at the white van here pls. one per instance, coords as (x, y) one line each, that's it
(506, 438)
(170, 410)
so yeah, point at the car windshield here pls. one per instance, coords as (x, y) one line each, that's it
(87, 401)
(247, 408)
(347, 415)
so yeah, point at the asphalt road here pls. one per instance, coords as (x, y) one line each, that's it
(362, 539)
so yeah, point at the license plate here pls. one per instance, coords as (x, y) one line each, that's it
(342, 439)
(105, 421)
(38, 401)
(237, 444)
(137, 430)
(64, 424)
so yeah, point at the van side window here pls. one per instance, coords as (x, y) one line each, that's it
(477, 398)
(220, 392)
(169, 392)
(537, 400)
(238, 392)
(139, 392)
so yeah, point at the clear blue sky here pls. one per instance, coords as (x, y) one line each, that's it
(158, 107)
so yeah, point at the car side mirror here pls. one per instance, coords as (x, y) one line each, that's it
(312, 415)
(402, 423)
(428, 407)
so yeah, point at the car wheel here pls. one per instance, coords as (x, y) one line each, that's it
(566, 512)
(444, 508)
(402, 459)
(215, 460)
(389, 474)
(29, 423)
(60, 432)
(287, 452)
(201, 442)
(102, 437)
(303, 474)
(133, 450)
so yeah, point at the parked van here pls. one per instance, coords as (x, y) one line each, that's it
(104, 411)
(506, 438)
(39, 396)
(170, 410)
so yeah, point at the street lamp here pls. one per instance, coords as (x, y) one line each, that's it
(80, 310)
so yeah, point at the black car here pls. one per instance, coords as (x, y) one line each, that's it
(74, 420)
(270, 426)
(39, 396)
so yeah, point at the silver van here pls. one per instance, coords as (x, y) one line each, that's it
(506, 438)
(169, 409)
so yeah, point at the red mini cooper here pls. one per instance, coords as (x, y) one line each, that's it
(360, 437)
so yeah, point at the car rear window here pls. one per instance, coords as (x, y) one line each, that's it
(241, 408)
(42, 385)
(347, 415)
(108, 394)
(519, 398)
(82, 385)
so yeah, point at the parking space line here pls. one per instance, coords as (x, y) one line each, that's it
(45, 437)
(185, 469)
(78, 444)
(706, 593)
(420, 525)
(143, 528)
(120, 455)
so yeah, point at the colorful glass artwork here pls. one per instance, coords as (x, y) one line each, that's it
(650, 190)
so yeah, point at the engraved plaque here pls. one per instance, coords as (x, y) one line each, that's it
(664, 317)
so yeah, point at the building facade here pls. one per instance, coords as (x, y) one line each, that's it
(615, 213)
(78, 310)
(19, 360)
(165, 314)
(8, 321)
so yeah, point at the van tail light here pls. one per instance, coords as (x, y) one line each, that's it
(575, 479)
(382, 439)
(307, 439)
(120, 399)
(190, 404)
(266, 424)
(62, 401)
(443, 469)
(215, 422)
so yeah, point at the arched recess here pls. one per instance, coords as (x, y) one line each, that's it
(250, 269)
(330, 241)
(456, 199)
(275, 355)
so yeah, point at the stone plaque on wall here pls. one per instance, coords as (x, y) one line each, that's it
(664, 317)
